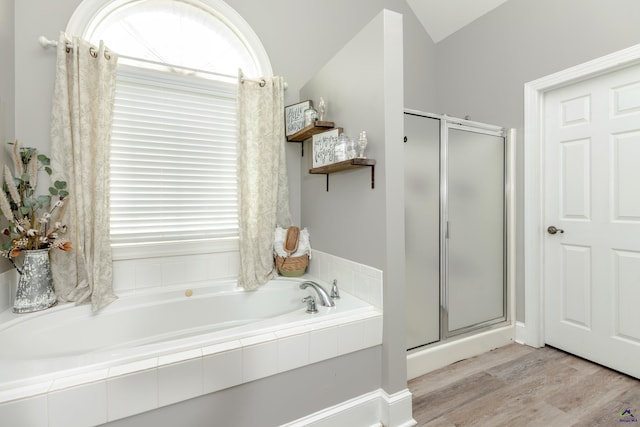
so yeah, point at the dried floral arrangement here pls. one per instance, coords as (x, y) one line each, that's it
(33, 219)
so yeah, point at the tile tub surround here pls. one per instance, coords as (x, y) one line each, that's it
(140, 275)
(111, 391)
(136, 275)
(360, 280)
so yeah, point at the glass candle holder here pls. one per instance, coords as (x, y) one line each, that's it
(341, 148)
(310, 116)
(362, 144)
(351, 149)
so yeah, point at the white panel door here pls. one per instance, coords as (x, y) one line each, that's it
(592, 196)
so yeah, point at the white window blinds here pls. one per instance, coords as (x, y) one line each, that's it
(173, 159)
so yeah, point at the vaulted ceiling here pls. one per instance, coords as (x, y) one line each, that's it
(442, 18)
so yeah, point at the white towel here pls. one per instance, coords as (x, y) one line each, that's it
(304, 246)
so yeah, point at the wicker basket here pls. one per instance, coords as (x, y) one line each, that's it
(292, 266)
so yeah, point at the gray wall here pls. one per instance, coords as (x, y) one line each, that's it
(35, 67)
(363, 86)
(300, 36)
(7, 74)
(7, 87)
(481, 70)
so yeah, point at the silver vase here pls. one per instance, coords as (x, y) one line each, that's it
(35, 288)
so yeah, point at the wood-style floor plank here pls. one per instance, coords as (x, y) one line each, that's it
(460, 370)
(521, 386)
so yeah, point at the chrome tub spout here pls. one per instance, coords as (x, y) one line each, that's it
(324, 297)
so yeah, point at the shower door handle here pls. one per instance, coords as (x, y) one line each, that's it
(553, 230)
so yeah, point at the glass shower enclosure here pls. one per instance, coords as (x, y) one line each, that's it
(456, 224)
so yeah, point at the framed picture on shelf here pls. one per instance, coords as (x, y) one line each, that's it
(294, 116)
(324, 147)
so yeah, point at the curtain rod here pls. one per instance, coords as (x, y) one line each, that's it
(46, 43)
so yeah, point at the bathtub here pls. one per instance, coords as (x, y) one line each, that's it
(148, 350)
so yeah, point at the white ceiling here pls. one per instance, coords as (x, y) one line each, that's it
(442, 18)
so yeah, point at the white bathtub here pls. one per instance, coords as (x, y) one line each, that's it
(184, 346)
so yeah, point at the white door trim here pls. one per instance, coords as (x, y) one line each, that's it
(533, 331)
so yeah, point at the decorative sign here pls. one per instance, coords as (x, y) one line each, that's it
(324, 147)
(294, 117)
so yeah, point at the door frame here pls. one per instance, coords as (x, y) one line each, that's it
(531, 332)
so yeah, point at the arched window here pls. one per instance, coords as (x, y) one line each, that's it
(173, 155)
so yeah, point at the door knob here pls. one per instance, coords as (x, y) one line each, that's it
(554, 230)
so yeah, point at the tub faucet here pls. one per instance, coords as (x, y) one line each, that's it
(335, 293)
(311, 304)
(325, 299)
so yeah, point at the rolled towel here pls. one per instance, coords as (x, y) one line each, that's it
(304, 245)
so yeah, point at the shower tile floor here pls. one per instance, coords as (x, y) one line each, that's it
(518, 385)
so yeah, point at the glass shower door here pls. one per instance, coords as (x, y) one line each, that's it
(474, 286)
(422, 229)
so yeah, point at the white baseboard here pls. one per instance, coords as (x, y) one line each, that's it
(446, 353)
(527, 336)
(374, 409)
(397, 409)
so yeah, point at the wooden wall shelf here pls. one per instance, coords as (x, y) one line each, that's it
(308, 131)
(346, 165)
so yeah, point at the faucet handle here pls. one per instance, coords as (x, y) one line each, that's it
(335, 293)
(311, 304)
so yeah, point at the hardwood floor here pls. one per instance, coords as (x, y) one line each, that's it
(518, 385)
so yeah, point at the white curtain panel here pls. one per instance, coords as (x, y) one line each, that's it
(263, 193)
(80, 135)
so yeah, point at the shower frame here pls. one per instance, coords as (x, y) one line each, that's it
(506, 320)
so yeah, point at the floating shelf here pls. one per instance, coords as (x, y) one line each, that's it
(346, 165)
(308, 131)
